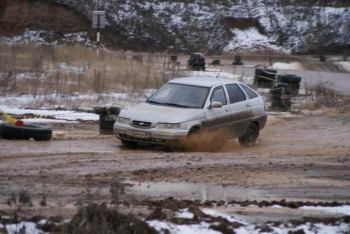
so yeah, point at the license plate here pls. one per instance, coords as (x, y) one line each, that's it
(139, 134)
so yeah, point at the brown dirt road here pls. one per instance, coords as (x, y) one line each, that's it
(298, 157)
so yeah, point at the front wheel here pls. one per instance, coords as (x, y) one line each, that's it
(250, 136)
(129, 144)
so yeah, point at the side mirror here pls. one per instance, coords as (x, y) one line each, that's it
(215, 105)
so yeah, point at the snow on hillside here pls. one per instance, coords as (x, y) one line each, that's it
(47, 38)
(250, 39)
(218, 25)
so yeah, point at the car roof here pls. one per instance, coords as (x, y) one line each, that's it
(203, 81)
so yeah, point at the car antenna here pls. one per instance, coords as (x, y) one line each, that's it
(217, 76)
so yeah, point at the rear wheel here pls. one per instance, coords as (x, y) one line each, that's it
(250, 136)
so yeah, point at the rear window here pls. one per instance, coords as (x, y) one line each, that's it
(235, 93)
(249, 91)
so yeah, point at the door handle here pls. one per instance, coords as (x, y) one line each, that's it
(247, 105)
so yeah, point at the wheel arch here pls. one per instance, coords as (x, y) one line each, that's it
(194, 128)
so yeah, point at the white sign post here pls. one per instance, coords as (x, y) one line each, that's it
(98, 22)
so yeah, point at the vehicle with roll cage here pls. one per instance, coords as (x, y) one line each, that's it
(187, 108)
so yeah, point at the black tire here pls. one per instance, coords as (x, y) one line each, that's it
(114, 110)
(38, 133)
(106, 125)
(276, 91)
(216, 62)
(129, 144)
(289, 79)
(269, 73)
(264, 84)
(250, 136)
(100, 110)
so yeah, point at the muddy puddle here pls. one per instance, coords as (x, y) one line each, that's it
(193, 191)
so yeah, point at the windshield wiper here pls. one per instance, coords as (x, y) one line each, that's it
(174, 104)
(167, 104)
(154, 102)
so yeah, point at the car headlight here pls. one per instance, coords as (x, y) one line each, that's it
(123, 120)
(169, 125)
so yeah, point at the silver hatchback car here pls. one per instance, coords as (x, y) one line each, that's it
(186, 109)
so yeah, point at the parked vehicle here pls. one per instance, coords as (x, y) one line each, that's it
(186, 108)
(196, 62)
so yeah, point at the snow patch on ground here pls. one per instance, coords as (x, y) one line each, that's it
(337, 209)
(76, 101)
(202, 228)
(42, 120)
(246, 228)
(344, 65)
(22, 227)
(61, 115)
(184, 214)
(215, 213)
(288, 66)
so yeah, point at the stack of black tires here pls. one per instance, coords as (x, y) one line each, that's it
(293, 82)
(280, 97)
(265, 78)
(282, 87)
(108, 116)
(286, 87)
(196, 62)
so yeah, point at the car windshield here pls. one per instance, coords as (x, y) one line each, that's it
(180, 95)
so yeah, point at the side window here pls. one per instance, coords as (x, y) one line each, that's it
(218, 95)
(235, 93)
(251, 93)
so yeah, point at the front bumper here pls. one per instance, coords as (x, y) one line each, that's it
(157, 136)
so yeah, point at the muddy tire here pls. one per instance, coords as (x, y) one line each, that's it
(250, 136)
(114, 110)
(289, 79)
(25, 132)
(129, 144)
(100, 110)
(106, 124)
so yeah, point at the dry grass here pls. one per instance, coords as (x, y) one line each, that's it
(321, 96)
(41, 70)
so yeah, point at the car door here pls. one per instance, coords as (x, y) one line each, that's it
(217, 118)
(239, 109)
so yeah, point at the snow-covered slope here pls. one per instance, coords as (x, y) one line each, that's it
(227, 25)
(224, 25)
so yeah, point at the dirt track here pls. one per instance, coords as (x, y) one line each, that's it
(304, 157)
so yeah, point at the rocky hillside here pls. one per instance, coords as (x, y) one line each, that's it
(225, 25)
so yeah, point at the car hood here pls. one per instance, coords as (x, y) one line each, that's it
(161, 114)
